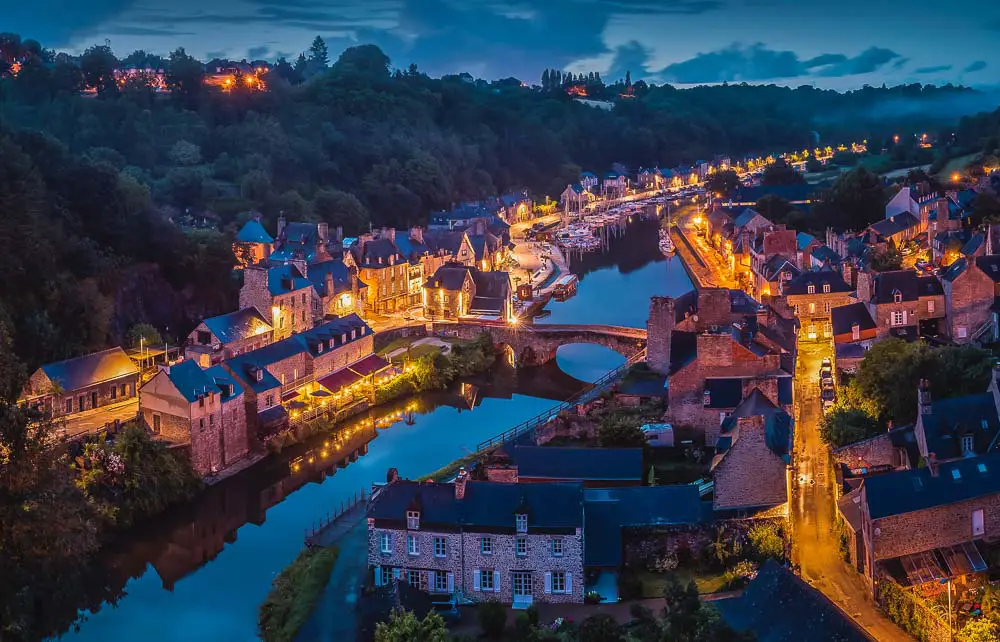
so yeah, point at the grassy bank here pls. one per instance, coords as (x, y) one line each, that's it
(449, 471)
(294, 594)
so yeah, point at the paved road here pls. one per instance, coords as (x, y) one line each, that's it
(815, 541)
(716, 272)
(92, 420)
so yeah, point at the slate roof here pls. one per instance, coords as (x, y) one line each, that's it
(896, 224)
(90, 369)
(489, 505)
(817, 279)
(376, 253)
(777, 422)
(338, 270)
(237, 325)
(724, 393)
(952, 419)
(745, 217)
(253, 232)
(683, 349)
(283, 279)
(220, 375)
(481, 243)
(778, 264)
(780, 607)
(450, 276)
(990, 265)
(576, 464)
(913, 490)
(802, 240)
(954, 270)
(973, 244)
(824, 253)
(844, 317)
(910, 284)
(191, 381)
(448, 241)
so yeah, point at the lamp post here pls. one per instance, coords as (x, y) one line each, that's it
(947, 580)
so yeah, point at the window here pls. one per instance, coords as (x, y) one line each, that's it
(411, 545)
(440, 547)
(412, 519)
(522, 583)
(486, 580)
(201, 402)
(521, 521)
(962, 332)
(303, 298)
(558, 581)
(303, 316)
(826, 288)
(269, 400)
(384, 576)
(855, 332)
(898, 318)
(796, 309)
(114, 393)
(486, 546)
(557, 548)
(897, 296)
(415, 579)
(967, 444)
(521, 546)
(811, 289)
(978, 526)
(211, 420)
(930, 306)
(69, 405)
(201, 425)
(812, 308)
(441, 581)
(385, 542)
(826, 307)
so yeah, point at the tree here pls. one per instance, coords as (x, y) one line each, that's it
(600, 628)
(724, 183)
(185, 77)
(979, 630)
(144, 335)
(364, 59)
(492, 618)
(318, 54)
(621, 433)
(98, 65)
(781, 173)
(885, 259)
(185, 153)
(403, 626)
(813, 165)
(844, 425)
(856, 200)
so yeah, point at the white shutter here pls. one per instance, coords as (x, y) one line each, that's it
(476, 581)
(904, 317)
(451, 582)
(569, 582)
(378, 576)
(496, 581)
(548, 582)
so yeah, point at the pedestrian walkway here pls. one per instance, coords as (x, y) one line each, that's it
(335, 616)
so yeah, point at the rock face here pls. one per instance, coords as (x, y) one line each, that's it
(659, 329)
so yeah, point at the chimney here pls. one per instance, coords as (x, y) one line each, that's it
(417, 234)
(354, 284)
(865, 286)
(932, 464)
(329, 284)
(391, 475)
(460, 481)
(923, 398)
(281, 225)
(763, 315)
(340, 235)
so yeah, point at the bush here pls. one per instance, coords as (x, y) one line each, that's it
(629, 586)
(739, 575)
(294, 593)
(600, 628)
(492, 618)
(766, 541)
(532, 614)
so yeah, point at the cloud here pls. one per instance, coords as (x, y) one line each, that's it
(932, 70)
(737, 63)
(632, 57)
(899, 64)
(55, 23)
(256, 53)
(978, 65)
(136, 30)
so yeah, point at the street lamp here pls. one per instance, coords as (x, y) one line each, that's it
(947, 580)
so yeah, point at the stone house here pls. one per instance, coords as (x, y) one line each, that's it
(206, 409)
(970, 286)
(218, 338)
(308, 241)
(337, 289)
(813, 295)
(592, 467)
(389, 275)
(898, 229)
(751, 468)
(457, 291)
(283, 296)
(589, 181)
(490, 250)
(252, 244)
(515, 206)
(902, 303)
(854, 332)
(894, 449)
(513, 543)
(574, 198)
(922, 524)
(958, 427)
(82, 383)
(650, 178)
(614, 185)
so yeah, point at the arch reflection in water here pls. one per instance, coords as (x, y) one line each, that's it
(587, 362)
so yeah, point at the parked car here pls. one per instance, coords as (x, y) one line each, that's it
(827, 397)
(826, 369)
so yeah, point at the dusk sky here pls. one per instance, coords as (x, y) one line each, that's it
(840, 45)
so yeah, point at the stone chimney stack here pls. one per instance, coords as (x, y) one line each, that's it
(281, 225)
(391, 476)
(659, 331)
(340, 235)
(923, 398)
(417, 234)
(460, 482)
(865, 286)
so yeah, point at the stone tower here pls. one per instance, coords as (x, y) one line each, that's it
(659, 329)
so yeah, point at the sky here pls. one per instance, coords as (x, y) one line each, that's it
(841, 44)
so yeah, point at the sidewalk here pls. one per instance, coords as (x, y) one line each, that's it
(335, 616)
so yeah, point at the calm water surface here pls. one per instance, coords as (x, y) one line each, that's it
(200, 572)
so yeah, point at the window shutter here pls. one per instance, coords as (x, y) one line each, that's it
(378, 576)
(496, 581)
(476, 581)
(395, 573)
(904, 317)
(569, 582)
(451, 582)
(548, 582)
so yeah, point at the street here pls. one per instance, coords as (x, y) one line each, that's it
(93, 420)
(812, 516)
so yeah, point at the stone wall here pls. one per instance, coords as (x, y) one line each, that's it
(968, 300)
(877, 451)
(659, 330)
(108, 392)
(640, 545)
(343, 355)
(749, 474)
(927, 307)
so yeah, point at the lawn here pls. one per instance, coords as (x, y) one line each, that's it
(294, 593)
(401, 342)
(956, 164)
(653, 583)
(873, 163)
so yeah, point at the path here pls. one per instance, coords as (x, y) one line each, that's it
(92, 420)
(433, 341)
(335, 615)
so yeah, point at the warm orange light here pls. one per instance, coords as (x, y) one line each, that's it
(956, 177)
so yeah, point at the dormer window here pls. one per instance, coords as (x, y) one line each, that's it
(897, 296)
(707, 398)
(521, 522)
(330, 344)
(319, 348)
(354, 333)
(967, 445)
(826, 288)
(855, 332)
(413, 520)
(343, 338)
(811, 289)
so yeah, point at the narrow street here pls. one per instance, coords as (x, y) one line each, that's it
(815, 539)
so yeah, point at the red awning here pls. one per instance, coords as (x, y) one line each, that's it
(371, 363)
(292, 394)
(340, 379)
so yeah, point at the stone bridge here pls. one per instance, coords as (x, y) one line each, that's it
(535, 344)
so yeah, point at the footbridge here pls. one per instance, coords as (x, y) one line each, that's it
(535, 344)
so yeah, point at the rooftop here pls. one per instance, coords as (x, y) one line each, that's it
(845, 317)
(237, 325)
(820, 280)
(576, 464)
(90, 369)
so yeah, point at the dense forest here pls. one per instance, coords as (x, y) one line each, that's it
(117, 202)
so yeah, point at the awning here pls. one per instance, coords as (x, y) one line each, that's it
(288, 396)
(353, 373)
(272, 416)
(945, 562)
(371, 363)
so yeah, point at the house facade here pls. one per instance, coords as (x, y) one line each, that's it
(517, 544)
(282, 295)
(813, 295)
(902, 303)
(218, 338)
(457, 291)
(83, 383)
(970, 286)
(854, 333)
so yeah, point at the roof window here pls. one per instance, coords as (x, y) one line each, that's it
(981, 467)
(956, 474)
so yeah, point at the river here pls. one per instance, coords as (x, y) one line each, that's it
(200, 572)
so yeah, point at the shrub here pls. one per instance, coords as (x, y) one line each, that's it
(739, 575)
(629, 587)
(492, 618)
(766, 541)
(532, 614)
(600, 628)
(294, 593)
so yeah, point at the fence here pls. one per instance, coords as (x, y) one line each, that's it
(591, 393)
(313, 533)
